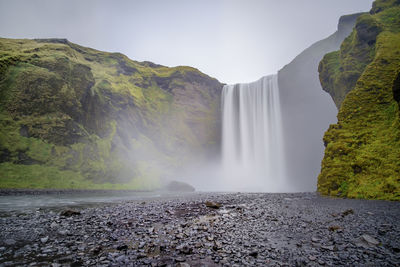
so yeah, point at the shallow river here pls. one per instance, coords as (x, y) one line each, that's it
(60, 200)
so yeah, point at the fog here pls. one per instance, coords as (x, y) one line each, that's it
(232, 40)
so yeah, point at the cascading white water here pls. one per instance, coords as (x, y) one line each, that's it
(252, 143)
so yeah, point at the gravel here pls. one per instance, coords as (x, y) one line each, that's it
(239, 229)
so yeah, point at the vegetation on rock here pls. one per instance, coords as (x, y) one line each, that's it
(362, 156)
(75, 117)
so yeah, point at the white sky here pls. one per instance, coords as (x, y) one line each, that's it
(231, 40)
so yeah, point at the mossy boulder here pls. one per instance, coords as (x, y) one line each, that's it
(362, 155)
(75, 117)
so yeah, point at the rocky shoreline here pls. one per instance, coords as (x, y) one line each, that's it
(208, 229)
(16, 192)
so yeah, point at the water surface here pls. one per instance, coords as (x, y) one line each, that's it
(26, 202)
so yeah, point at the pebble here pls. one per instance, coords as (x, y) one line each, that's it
(245, 230)
(9, 242)
(370, 240)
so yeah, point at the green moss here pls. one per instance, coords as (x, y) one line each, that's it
(340, 70)
(362, 150)
(112, 122)
(42, 177)
(381, 5)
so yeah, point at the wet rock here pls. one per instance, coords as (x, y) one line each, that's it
(142, 244)
(185, 249)
(264, 233)
(10, 242)
(179, 259)
(315, 239)
(213, 205)
(141, 255)
(96, 250)
(62, 232)
(347, 212)
(121, 258)
(70, 212)
(369, 240)
(253, 253)
(165, 261)
(331, 247)
(122, 247)
(334, 228)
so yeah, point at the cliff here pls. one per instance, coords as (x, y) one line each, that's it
(75, 117)
(363, 149)
(307, 111)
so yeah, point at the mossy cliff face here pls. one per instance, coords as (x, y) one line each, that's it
(74, 117)
(362, 155)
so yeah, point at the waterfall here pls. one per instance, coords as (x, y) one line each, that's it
(252, 143)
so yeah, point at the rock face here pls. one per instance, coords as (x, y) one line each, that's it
(74, 117)
(362, 150)
(306, 110)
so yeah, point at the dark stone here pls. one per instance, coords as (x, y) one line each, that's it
(24, 159)
(52, 40)
(125, 69)
(10, 242)
(122, 247)
(213, 205)
(151, 64)
(347, 212)
(24, 131)
(356, 169)
(5, 155)
(253, 253)
(77, 264)
(69, 213)
(185, 249)
(367, 30)
(396, 88)
(333, 228)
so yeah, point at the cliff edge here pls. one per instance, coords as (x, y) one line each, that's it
(362, 155)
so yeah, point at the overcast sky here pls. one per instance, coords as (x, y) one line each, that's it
(231, 40)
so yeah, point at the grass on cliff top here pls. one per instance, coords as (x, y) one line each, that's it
(124, 75)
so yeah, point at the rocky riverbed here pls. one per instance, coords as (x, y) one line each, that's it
(235, 229)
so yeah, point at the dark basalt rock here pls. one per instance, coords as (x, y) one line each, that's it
(70, 212)
(24, 159)
(213, 205)
(272, 231)
(367, 29)
(396, 88)
(5, 155)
